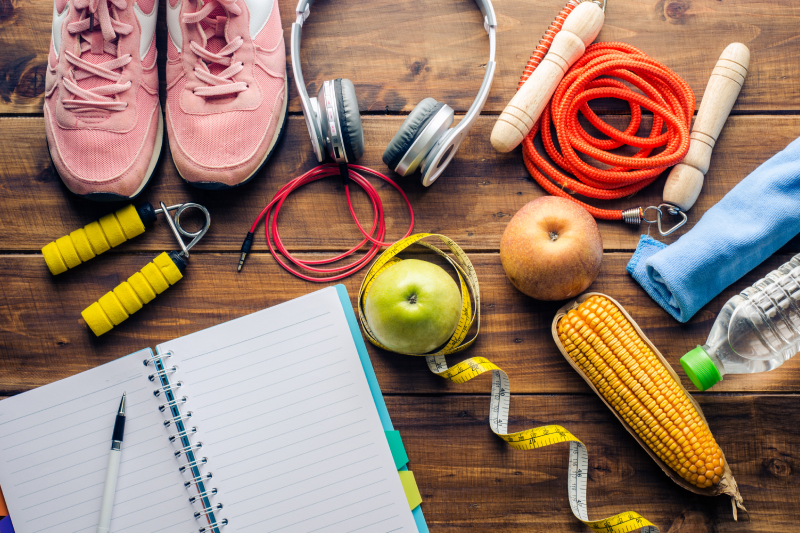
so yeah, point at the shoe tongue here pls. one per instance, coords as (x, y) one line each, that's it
(215, 42)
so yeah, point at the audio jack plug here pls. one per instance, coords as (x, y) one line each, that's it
(246, 245)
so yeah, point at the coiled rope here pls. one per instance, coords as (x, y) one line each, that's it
(600, 73)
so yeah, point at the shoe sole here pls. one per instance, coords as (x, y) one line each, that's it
(113, 197)
(214, 186)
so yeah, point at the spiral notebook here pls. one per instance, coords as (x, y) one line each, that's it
(272, 422)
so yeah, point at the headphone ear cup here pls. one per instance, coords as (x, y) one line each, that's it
(409, 130)
(349, 119)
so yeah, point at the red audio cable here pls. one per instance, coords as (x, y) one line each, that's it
(597, 75)
(375, 235)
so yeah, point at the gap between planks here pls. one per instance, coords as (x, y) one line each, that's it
(366, 113)
(704, 394)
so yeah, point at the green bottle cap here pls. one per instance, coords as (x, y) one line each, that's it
(700, 368)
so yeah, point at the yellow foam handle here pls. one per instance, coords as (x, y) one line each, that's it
(93, 239)
(117, 305)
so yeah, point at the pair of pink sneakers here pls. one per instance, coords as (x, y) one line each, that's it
(226, 92)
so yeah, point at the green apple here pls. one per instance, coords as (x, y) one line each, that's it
(413, 306)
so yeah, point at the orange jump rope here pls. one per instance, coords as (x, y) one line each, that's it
(600, 74)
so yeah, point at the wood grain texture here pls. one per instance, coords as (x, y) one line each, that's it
(472, 481)
(471, 203)
(397, 53)
(44, 339)
(25, 33)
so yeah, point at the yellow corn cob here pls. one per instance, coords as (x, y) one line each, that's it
(604, 344)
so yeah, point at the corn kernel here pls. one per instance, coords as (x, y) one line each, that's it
(607, 348)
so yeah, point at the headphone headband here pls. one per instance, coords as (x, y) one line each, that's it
(309, 112)
(304, 7)
(441, 154)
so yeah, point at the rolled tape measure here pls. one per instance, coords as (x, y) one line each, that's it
(529, 439)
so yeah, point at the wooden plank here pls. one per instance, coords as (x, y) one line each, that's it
(398, 53)
(25, 34)
(472, 481)
(471, 203)
(43, 337)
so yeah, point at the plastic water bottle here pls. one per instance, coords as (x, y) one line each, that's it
(757, 330)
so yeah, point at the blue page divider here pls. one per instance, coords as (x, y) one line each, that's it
(355, 330)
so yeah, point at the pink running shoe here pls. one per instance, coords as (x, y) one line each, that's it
(101, 110)
(226, 88)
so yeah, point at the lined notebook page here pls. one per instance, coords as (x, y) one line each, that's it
(288, 423)
(54, 444)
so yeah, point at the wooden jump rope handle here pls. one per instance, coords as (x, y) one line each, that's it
(686, 178)
(579, 30)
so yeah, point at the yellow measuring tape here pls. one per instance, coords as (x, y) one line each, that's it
(473, 367)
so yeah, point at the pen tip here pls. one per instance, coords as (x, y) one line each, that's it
(122, 405)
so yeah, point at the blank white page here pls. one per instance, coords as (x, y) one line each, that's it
(288, 422)
(54, 444)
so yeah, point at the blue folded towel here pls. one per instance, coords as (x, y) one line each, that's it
(752, 221)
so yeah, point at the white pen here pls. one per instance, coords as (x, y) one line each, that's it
(112, 471)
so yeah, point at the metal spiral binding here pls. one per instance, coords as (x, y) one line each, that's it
(157, 357)
(214, 526)
(192, 464)
(186, 448)
(176, 385)
(204, 494)
(163, 407)
(198, 479)
(190, 448)
(185, 433)
(163, 373)
(204, 512)
(168, 423)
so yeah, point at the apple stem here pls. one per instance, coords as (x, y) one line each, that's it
(412, 299)
(553, 236)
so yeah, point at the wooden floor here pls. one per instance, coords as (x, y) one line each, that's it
(396, 53)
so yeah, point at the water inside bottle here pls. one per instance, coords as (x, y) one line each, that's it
(759, 329)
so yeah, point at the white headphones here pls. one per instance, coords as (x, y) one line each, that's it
(424, 140)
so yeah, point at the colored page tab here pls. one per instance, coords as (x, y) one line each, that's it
(410, 487)
(4, 509)
(5, 525)
(398, 450)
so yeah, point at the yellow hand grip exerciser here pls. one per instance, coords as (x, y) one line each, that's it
(97, 237)
(142, 287)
